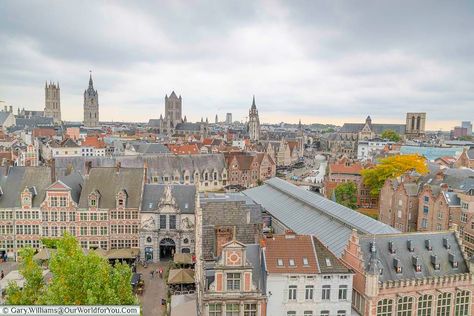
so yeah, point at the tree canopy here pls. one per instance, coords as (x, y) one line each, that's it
(391, 135)
(77, 279)
(392, 167)
(346, 194)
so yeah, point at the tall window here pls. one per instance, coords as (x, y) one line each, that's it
(215, 309)
(385, 307)
(162, 221)
(405, 306)
(62, 201)
(462, 303)
(172, 221)
(343, 292)
(309, 292)
(54, 201)
(250, 309)
(292, 292)
(443, 304)
(232, 310)
(326, 293)
(425, 305)
(233, 281)
(464, 217)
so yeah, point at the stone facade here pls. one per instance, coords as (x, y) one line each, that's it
(167, 221)
(52, 104)
(91, 106)
(415, 125)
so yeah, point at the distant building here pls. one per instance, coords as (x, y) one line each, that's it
(458, 131)
(7, 119)
(253, 125)
(228, 118)
(468, 126)
(52, 105)
(415, 125)
(91, 106)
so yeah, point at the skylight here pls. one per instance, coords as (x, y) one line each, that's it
(328, 262)
(305, 261)
(280, 262)
(292, 262)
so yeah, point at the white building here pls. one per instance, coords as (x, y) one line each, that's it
(367, 148)
(304, 278)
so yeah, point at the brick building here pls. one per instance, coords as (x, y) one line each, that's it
(247, 169)
(410, 274)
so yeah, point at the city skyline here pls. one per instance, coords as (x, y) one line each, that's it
(320, 62)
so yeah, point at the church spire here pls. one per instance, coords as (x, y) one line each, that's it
(253, 103)
(91, 84)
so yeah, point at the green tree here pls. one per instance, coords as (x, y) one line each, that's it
(346, 194)
(466, 138)
(80, 279)
(392, 167)
(33, 287)
(391, 135)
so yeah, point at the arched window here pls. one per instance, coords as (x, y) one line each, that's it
(405, 306)
(425, 305)
(462, 303)
(385, 307)
(443, 304)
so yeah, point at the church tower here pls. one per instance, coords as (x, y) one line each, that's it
(173, 108)
(254, 123)
(91, 106)
(52, 101)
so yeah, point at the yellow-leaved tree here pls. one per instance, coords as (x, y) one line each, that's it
(392, 167)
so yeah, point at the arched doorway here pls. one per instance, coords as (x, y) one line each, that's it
(167, 248)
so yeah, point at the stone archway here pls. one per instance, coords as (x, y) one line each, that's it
(167, 249)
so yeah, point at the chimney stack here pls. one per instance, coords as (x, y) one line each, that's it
(88, 167)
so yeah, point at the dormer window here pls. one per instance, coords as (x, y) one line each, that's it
(121, 199)
(305, 261)
(93, 202)
(280, 262)
(397, 265)
(291, 262)
(435, 262)
(94, 199)
(452, 260)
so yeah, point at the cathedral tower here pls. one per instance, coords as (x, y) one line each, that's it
(254, 123)
(52, 101)
(91, 106)
(173, 108)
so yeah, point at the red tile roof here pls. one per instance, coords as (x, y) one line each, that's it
(290, 247)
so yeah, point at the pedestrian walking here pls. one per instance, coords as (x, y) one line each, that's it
(2, 275)
(161, 272)
(152, 273)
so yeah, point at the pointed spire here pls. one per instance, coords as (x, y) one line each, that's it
(91, 84)
(253, 103)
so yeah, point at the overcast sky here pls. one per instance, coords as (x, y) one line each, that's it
(321, 61)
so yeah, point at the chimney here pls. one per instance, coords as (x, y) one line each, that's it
(88, 166)
(52, 166)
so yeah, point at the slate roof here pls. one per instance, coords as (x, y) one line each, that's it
(308, 213)
(194, 127)
(452, 198)
(108, 182)
(154, 122)
(18, 179)
(385, 258)
(159, 164)
(184, 196)
(75, 182)
(376, 128)
(34, 121)
(150, 148)
(327, 261)
(3, 116)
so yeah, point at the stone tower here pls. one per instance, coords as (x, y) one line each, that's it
(52, 101)
(91, 106)
(415, 125)
(173, 108)
(254, 122)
